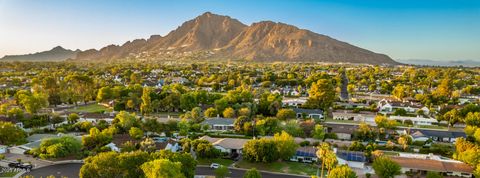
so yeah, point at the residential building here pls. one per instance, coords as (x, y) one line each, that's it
(415, 120)
(363, 116)
(306, 154)
(308, 113)
(437, 135)
(421, 164)
(293, 102)
(219, 124)
(353, 159)
(227, 145)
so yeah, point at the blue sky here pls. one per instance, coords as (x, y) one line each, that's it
(402, 29)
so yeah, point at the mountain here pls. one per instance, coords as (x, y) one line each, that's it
(211, 36)
(56, 54)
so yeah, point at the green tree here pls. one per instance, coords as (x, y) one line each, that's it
(136, 133)
(384, 167)
(433, 175)
(221, 172)
(104, 94)
(15, 113)
(210, 112)
(399, 92)
(452, 117)
(327, 157)
(319, 132)
(73, 118)
(383, 122)
(229, 113)
(284, 114)
(126, 120)
(252, 173)
(342, 172)
(240, 122)
(32, 101)
(58, 147)
(285, 144)
(162, 168)
(11, 134)
(405, 140)
(321, 94)
(146, 106)
(183, 127)
(293, 128)
(260, 150)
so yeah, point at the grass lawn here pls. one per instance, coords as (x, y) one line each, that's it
(283, 167)
(8, 174)
(93, 108)
(225, 162)
(391, 153)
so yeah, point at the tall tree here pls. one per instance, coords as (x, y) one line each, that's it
(11, 134)
(162, 168)
(384, 167)
(146, 106)
(321, 94)
(285, 144)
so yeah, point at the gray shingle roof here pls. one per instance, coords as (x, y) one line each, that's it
(218, 121)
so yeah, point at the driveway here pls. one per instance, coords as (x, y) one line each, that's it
(10, 157)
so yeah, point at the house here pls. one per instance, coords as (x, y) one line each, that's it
(170, 145)
(293, 102)
(423, 164)
(227, 145)
(419, 136)
(415, 120)
(96, 117)
(180, 80)
(388, 106)
(353, 159)
(343, 131)
(437, 135)
(306, 154)
(219, 124)
(308, 113)
(113, 147)
(349, 115)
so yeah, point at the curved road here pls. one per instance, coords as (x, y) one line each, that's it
(71, 170)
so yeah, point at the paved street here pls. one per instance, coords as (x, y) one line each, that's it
(71, 170)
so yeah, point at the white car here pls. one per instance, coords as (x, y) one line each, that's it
(214, 165)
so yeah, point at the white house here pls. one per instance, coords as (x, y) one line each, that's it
(309, 113)
(293, 102)
(348, 115)
(416, 120)
(227, 145)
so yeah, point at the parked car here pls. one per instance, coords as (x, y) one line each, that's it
(214, 165)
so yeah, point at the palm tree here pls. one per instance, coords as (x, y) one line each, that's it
(325, 154)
